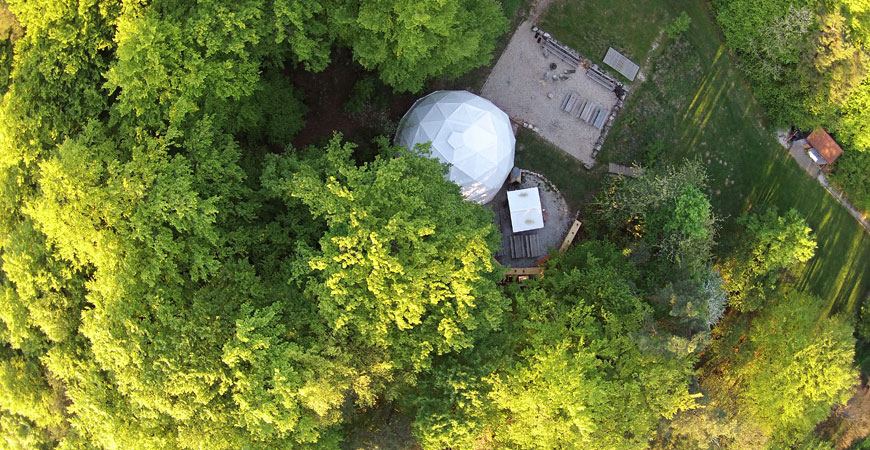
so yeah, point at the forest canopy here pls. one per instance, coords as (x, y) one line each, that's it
(176, 274)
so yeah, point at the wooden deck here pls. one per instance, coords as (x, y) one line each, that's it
(526, 246)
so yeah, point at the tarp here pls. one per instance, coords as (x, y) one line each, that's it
(525, 209)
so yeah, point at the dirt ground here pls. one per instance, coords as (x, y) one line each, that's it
(517, 86)
(558, 217)
(325, 94)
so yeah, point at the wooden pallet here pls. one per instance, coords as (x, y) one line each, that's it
(586, 113)
(526, 246)
(581, 105)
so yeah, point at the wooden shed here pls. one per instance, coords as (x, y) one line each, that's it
(825, 145)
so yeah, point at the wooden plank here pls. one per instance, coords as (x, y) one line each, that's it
(565, 102)
(570, 237)
(571, 102)
(616, 169)
(600, 118)
(528, 271)
(594, 116)
(561, 53)
(587, 111)
(598, 78)
(581, 106)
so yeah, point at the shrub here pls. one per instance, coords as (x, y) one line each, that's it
(679, 26)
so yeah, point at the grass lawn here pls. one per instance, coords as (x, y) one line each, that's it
(538, 155)
(591, 26)
(696, 105)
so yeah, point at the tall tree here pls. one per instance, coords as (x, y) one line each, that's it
(668, 214)
(409, 42)
(404, 270)
(781, 376)
(578, 349)
(769, 244)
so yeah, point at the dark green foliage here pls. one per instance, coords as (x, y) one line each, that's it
(586, 349)
(10, 31)
(851, 176)
(667, 213)
(578, 346)
(864, 444)
(777, 41)
(360, 96)
(273, 114)
(408, 43)
(5, 64)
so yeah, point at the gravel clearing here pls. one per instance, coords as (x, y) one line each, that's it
(517, 86)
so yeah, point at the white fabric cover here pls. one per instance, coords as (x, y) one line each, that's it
(525, 209)
(469, 133)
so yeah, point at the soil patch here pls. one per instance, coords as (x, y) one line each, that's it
(327, 92)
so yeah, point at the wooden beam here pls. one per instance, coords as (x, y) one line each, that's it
(570, 237)
(527, 271)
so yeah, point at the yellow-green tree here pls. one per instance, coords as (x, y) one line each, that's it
(779, 377)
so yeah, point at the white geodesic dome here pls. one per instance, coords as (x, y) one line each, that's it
(469, 133)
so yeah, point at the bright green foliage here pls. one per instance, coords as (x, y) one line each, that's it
(411, 41)
(577, 349)
(25, 392)
(782, 376)
(669, 212)
(130, 241)
(586, 352)
(679, 26)
(404, 269)
(769, 245)
(803, 58)
(155, 295)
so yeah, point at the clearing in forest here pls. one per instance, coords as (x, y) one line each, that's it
(696, 105)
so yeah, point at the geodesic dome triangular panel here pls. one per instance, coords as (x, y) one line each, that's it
(469, 133)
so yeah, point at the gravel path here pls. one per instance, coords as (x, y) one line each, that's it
(517, 86)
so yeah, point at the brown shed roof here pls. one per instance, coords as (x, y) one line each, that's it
(825, 144)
